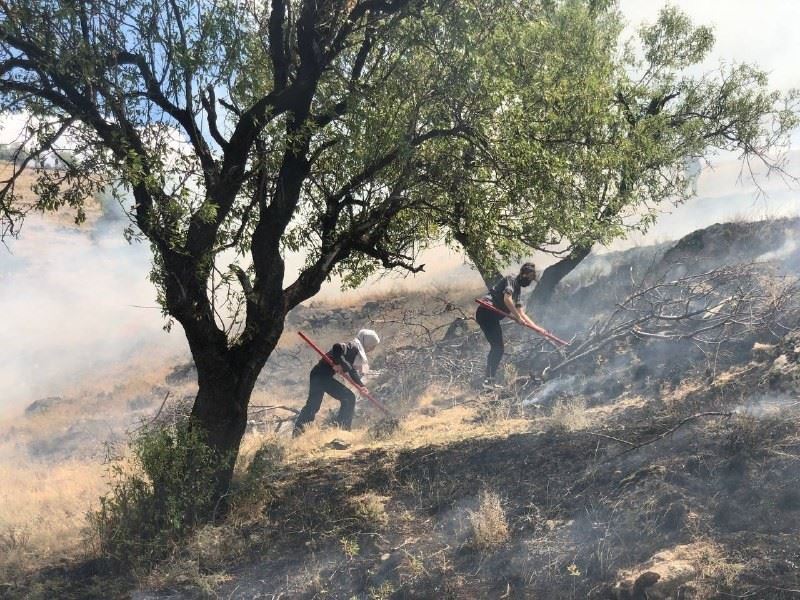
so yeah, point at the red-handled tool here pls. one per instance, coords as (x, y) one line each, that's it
(543, 332)
(361, 389)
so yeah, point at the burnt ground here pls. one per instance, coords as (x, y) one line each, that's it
(582, 509)
(649, 470)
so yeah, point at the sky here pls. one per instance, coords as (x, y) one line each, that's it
(59, 330)
(763, 32)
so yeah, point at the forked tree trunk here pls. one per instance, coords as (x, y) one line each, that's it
(552, 276)
(225, 386)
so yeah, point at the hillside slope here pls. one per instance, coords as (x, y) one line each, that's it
(648, 468)
(657, 457)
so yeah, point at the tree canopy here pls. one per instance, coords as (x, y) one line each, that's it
(590, 136)
(355, 132)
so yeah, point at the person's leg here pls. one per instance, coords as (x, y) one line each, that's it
(498, 349)
(316, 389)
(490, 325)
(348, 403)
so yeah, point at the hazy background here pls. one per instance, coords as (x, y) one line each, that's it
(74, 301)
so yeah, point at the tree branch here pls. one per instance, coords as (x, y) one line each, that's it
(209, 101)
(277, 44)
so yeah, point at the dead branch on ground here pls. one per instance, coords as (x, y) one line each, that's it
(710, 310)
(632, 446)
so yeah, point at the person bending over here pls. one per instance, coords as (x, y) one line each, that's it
(348, 357)
(505, 296)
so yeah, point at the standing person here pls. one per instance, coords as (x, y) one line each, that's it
(348, 357)
(504, 296)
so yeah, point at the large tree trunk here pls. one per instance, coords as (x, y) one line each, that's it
(226, 378)
(553, 275)
(220, 410)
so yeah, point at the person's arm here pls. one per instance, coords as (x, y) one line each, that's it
(512, 309)
(525, 316)
(515, 311)
(341, 365)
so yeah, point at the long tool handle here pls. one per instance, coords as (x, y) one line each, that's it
(541, 331)
(362, 390)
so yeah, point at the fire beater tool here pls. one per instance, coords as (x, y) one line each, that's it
(541, 331)
(361, 389)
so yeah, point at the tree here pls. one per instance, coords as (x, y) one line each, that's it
(242, 130)
(588, 141)
(354, 131)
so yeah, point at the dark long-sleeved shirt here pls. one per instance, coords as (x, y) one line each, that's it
(342, 354)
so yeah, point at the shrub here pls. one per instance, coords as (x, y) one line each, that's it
(489, 524)
(569, 415)
(254, 489)
(157, 497)
(370, 510)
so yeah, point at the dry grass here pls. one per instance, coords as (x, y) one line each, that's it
(390, 291)
(43, 504)
(43, 509)
(416, 430)
(436, 416)
(64, 217)
(608, 412)
(252, 443)
(682, 392)
(200, 563)
(488, 524)
(370, 509)
(451, 424)
(186, 572)
(381, 592)
(702, 565)
(353, 298)
(314, 443)
(570, 415)
(714, 563)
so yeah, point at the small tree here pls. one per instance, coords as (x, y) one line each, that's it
(589, 142)
(243, 130)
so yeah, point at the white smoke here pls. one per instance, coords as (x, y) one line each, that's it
(762, 406)
(72, 302)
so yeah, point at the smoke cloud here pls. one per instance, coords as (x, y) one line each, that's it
(71, 301)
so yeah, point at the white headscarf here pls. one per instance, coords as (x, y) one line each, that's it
(366, 338)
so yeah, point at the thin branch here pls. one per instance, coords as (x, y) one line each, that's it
(671, 430)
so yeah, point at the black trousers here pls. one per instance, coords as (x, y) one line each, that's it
(320, 382)
(489, 323)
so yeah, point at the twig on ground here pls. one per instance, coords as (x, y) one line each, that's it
(661, 436)
(611, 437)
(264, 408)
